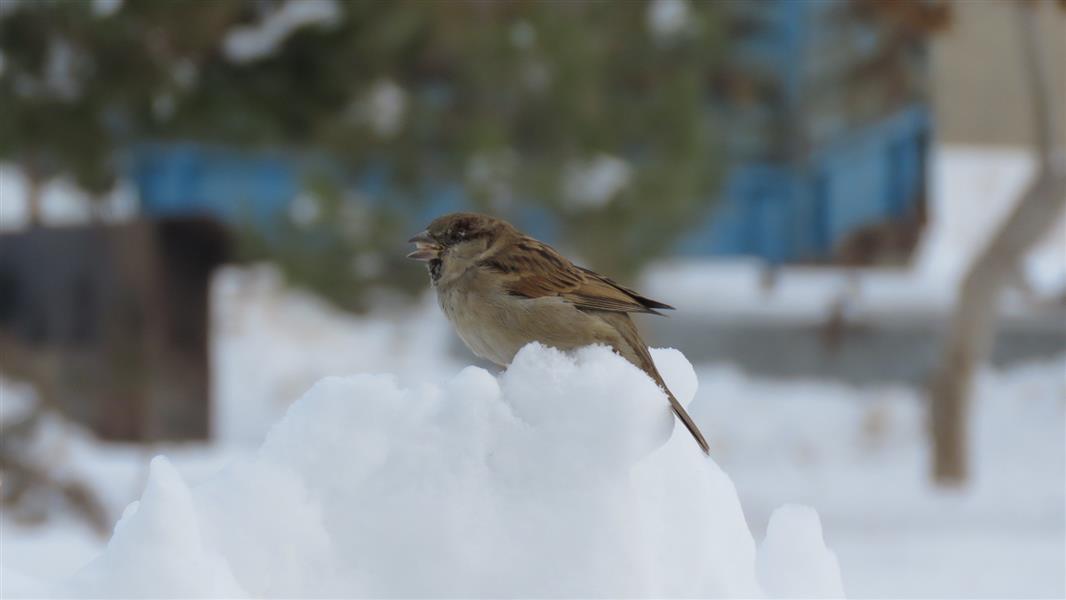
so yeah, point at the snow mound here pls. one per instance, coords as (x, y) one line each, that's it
(552, 479)
(793, 561)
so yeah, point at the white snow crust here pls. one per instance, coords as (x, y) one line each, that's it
(562, 476)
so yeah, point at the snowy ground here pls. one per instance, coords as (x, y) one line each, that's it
(271, 343)
(859, 457)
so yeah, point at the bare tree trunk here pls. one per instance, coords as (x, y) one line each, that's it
(973, 325)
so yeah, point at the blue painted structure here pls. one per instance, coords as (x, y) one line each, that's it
(794, 212)
(806, 164)
(186, 178)
(820, 151)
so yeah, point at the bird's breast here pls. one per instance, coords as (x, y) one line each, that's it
(495, 325)
(478, 318)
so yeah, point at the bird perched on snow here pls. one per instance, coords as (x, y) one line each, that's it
(503, 289)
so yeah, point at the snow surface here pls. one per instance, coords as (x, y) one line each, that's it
(34, 553)
(787, 566)
(548, 480)
(271, 342)
(859, 456)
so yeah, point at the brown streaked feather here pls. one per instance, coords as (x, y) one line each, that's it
(534, 269)
(485, 266)
(649, 305)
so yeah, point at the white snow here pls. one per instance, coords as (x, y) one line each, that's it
(62, 202)
(974, 189)
(253, 42)
(793, 560)
(548, 480)
(595, 182)
(34, 554)
(666, 18)
(158, 549)
(859, 456)
(271, 342)
(383, 108)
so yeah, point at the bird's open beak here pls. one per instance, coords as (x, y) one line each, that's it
(426, 247)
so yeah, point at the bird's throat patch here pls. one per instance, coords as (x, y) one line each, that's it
(434, 270)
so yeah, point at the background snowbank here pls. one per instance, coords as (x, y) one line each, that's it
(272, 342)
(522, 484)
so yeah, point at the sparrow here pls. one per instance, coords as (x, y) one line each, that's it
(502, 289)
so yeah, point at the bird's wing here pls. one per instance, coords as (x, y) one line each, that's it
(533, 269)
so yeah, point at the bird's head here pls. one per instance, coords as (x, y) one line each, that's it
(458, 235)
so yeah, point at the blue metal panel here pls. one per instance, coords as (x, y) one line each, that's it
(782, 211)
(186, 179)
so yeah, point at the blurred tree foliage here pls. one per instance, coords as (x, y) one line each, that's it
(592, 112)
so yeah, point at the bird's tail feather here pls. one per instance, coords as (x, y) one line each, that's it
(647, 365)
(687, 420)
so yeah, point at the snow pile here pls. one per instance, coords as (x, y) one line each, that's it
(544, 481)
(45, 535)
(860, 456)
(787, 566)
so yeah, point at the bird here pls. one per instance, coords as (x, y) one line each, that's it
(502, 289)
